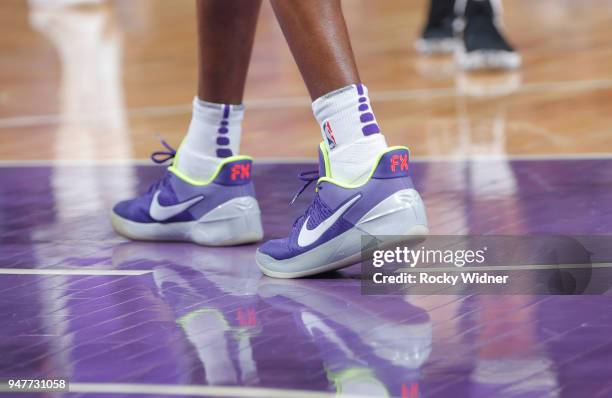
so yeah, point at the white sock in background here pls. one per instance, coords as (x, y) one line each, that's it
(214, 134)
(350, 132)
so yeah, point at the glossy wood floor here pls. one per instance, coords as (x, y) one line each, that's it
(98, 81)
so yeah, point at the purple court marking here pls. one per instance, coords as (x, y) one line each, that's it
(206, 316)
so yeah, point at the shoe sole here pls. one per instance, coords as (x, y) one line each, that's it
(436, 46)
(235, 222)
(487, 59)
(398, 219)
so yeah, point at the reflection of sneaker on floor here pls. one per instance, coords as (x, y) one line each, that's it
(198, 265)
(483, 45)
(220, 211)
(397, 331)
(488, 85)
(328, 235)
(218, 324)
(374, 349)
(438, 36)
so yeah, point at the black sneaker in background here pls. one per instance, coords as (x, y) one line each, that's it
(483, 45)
(438, 36)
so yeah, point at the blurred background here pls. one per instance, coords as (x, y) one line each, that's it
(96, 80)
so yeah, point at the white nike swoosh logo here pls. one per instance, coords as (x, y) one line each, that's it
(159, 212)
(309, 236)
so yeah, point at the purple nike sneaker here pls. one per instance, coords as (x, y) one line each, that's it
(328, 236)
(218, 212)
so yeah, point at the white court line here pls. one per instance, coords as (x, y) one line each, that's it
(200, 391)
(293, 102)
(68, 271)
(306, 160)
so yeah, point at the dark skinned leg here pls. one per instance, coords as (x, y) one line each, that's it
(226, 30)
(318, 38)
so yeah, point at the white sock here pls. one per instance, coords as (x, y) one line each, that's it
(350, 132)
(214, 134)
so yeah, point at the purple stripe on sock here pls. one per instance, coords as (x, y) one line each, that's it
(359, 89)
(363, 99)
(366, 117)
(370, 129)
(363, 107)
(224, 153)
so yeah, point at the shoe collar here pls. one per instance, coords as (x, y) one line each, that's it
(225, 161)
(325, 174)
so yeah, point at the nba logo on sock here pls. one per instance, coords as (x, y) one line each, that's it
(329, 134)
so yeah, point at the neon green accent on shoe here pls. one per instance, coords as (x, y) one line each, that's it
(325, 158)
(173, 168)
(331, 180)
(182, 321)
(358, 373)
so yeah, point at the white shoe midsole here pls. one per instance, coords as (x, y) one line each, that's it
(400, 215)
(487, 59)
(233, 222)
(436, 46)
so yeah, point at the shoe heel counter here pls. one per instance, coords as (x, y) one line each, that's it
(393, 164)
(237, 172)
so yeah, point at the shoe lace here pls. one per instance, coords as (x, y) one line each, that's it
(308, 177)
(160, 157)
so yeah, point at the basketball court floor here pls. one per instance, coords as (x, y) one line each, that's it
(85, 88)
